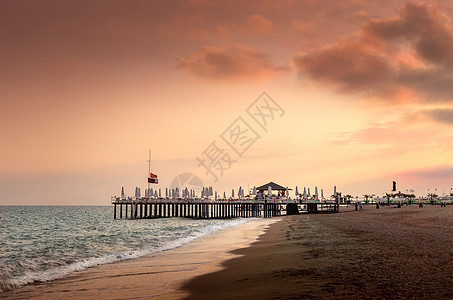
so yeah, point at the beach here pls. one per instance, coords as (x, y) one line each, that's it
(158, 275)
(373, 253)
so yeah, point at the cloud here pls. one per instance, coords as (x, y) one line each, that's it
(302, 26)
(257, 24)
(349, 66)
(440, 115)
(229, 63)
(410, 54)
(425, 27)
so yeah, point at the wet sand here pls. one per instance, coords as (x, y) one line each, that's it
(374, 254)
(384, 253)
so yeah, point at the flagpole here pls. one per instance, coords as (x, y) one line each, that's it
(149, 168)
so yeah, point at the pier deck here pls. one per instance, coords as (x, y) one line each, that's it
(140, 208)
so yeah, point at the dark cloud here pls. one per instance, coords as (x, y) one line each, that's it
(412, 51)
(440, 115)
(425, 27)
(350, 66)
(229, 63)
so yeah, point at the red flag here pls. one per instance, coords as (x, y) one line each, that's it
(153, 180)
(151, 175)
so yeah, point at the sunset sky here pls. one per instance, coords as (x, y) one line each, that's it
(363, 93)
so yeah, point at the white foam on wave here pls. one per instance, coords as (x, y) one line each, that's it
(63, 271)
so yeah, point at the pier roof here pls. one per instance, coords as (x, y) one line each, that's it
(273, 185)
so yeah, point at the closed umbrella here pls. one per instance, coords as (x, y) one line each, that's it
(297, 191)
(287, 192)
(322, 193)
(308, 193)
(269, 191)
(254, 191)
(232, 193)
(316, 192)
(122, 192)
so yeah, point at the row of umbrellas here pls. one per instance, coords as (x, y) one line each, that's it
(207, 192)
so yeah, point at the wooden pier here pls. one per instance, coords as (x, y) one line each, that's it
(140, 208)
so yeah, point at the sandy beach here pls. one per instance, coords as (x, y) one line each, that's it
(374, 253)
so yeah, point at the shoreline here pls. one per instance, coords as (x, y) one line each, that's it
(384, 253)
(158, 275)
(373, 253)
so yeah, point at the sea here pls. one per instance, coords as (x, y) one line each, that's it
(43, 243)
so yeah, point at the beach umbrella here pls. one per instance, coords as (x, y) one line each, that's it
(232, 193)
(224, 195)
(322, 193)
(305, 193)
(240, 192)
(269, 191)
(215, 195)
(160, 193)
(308, 195)
(172, 193)
(210, 191)
(335, 190)
(254, 191)
(122, 192)
(155, 193)
(287, 192)
(316, 192)
(166, 192)
(297, 191)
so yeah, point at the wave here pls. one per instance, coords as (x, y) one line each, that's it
(30, 277)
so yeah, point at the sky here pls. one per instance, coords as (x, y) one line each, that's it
(352, 93)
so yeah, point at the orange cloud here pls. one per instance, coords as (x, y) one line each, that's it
(229, 63)
(302, 26)
(257, 24)
(439, 115)
(349, 66)
(411, 52)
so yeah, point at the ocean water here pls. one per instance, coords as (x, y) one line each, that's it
(42, 243)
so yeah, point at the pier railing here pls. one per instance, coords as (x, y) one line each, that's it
(148, 208)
